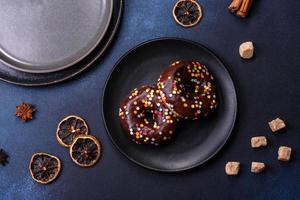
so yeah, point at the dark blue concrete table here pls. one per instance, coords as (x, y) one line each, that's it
(267, 87)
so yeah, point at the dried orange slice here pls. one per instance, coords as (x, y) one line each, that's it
(44, 168)
(69, 128)
(85, 150)
(187, 13)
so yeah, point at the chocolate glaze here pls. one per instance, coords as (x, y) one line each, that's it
(188, 88)
(145, 118)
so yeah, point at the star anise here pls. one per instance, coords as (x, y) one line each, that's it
(25, 111)
(3, 157)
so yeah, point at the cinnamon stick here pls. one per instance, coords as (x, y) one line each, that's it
(244, 8)
(235, 5)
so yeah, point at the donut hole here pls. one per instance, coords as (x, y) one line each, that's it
(188, 87)
(149, 116)
(185, 83)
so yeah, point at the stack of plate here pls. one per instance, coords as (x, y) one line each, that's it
(44, 42)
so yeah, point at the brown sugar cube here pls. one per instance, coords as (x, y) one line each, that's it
(246, 50)
(257, 167)
(284, 153)
(232, 168)
(276, 124)
(259, 141)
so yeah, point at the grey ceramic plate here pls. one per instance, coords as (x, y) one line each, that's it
(14, 76)
(48, 36)
(195, 141)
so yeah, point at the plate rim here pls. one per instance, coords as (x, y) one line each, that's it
(62, 67)
(80, 70)
(183, 168)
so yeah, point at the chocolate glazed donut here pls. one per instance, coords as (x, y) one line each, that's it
(145, 118)
(188, 89)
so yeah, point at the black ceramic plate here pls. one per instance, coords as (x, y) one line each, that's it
(195, 141)
(14, 76)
